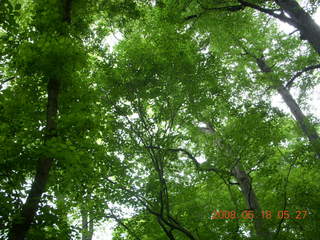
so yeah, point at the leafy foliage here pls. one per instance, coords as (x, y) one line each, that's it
(158, 126)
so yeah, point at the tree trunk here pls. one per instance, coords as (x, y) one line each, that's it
(308, 28)
(87, 225)
(22, 223)
(246, 188)
(84, 218)
(251, 201)
(90, 227)
(302, 121)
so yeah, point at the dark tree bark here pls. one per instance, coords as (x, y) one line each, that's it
(22, 223)
(90, 227)
(167, 232)
(302, 20)
(297, 17)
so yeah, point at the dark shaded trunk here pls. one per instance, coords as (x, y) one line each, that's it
(302, 121)
(249, 195)
(22, 223)
(302, 20)
(295, 16)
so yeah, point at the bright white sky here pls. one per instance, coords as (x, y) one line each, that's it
(104, 232)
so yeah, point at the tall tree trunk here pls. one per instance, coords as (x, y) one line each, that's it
(87, 225)
(84, 218)
(244, 181)
(22, 223)
(302, 121)
(251, 200)
(90, 227)
(302, 20)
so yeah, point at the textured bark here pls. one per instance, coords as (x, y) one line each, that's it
(251, 200)
(22, 223)
(302, 20)
(302, 121)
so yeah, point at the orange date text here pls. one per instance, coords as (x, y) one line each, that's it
(265, 214)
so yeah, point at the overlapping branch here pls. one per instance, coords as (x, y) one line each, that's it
(194, 160)
(167, 219)
(299, 73)
(241, 6)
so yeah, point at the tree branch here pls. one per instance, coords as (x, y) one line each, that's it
(168, 233)
(298, 74)
(243, 4)
(168, 219)
(227, 8)
(194, 160)
(144, 201)
(270, 12)
(120, 222)
(284, 196)
(5, 80)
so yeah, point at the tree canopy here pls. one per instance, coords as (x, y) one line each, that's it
(175, 124)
